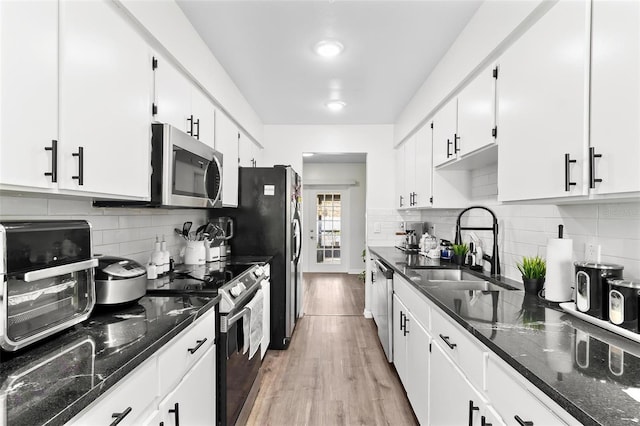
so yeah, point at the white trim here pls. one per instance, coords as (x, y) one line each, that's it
(367, 314)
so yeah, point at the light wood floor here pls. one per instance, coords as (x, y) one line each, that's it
(334, 372)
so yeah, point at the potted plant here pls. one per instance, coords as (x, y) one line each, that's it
(460, 253)
(533, 270)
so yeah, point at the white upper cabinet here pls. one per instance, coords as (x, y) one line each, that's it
(477, 114)
(402, 200)
(227, 139)
(28, 93)
(179, 102)
(410, 170)
(105, 102)
(250, 154)
(542, 107)
(444, 133)
(423, 166)
(615, 97)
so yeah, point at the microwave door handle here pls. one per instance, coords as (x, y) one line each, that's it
(58, 270)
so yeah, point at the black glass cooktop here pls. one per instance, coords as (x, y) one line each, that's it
(200, 280)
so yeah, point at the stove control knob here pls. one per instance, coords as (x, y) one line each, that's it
(236, 290)
(259, 271)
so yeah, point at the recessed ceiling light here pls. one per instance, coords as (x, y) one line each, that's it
(307, 154)
(335, 105)
(329, 48)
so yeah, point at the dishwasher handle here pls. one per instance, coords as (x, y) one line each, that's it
(386, 270)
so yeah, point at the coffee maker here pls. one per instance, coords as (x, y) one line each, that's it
(413, 233)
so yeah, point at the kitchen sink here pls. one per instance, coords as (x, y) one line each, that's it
(455, 279)
(469, 285)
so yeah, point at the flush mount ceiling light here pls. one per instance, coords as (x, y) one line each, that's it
(335, 105)
(307, 154)
(329, 48)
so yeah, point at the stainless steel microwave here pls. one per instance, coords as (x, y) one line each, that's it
(185, 173)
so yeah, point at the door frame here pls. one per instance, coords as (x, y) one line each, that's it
(308, 226)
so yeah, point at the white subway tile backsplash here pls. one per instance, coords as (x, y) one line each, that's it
(71, 206)
(620, 211)
(119, 235)
(108, 249)
(619, 228)
(21, 206)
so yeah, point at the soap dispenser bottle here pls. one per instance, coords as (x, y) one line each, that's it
(157, 257)
(165, 256)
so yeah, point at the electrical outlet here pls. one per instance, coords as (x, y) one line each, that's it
(377, 228)
(592, 252)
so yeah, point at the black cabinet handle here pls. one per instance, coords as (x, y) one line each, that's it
(567, 173)
(592, 167)
(483, 421)
(449, 143)
(472, 408)
(190, 121)
(446, 340)
(54, 160)
(198, 344)
(401, 199)
(401, 321)
(80, 155)
(176, 413)
(406, 320)
(415, 198)
(456, 138)
(197, 126)
(523, 422)
(119, 416)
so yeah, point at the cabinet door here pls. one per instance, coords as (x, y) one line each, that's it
(401, 200)
(399, 339)
(105, 102)
(615, 95)
(410, 170)
(452, 399)
(423, 166)
(444, 133)
(193, 402)
(227, 143)
(542, 107)
(29, 91)
(172, 96)
(417, 385)
(246, 151)
(203, 113)
(476, 113)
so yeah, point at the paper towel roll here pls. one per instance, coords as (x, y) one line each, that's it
(559, 280)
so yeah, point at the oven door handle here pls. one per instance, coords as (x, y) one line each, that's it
(58, 270)
(234, 318)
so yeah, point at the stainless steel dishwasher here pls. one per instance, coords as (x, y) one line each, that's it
(383, 305)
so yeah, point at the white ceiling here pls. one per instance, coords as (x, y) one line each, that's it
(390, 49)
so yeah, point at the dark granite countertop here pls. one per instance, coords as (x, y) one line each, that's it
(592, 373)
(53, 380)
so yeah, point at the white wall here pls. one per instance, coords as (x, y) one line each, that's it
(285, 144)
(168, 24)
(128, 233)
(331, 173)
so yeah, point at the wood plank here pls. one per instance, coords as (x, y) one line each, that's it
(335, 371)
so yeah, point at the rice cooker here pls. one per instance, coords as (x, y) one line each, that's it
(592, 295)
(624, 296)
(119, 281)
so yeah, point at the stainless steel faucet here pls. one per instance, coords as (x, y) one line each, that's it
(494, 258)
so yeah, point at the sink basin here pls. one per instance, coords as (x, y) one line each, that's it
(469, 285)
(437, 274)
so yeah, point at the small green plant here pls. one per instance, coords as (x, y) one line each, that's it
(532, 267)
(363, 275)
(460, 249)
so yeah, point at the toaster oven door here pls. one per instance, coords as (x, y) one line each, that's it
(39, 303)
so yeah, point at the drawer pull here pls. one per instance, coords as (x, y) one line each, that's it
(522, 422)
(198, 344)
(119, 416)
(176, 413)
(472, 408)
(54, 161)
(446, 340)
(401, 321)
(483, 422)
(406, 320)
(80, 175)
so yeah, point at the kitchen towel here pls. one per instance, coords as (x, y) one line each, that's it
(255, 307)
(559, 280)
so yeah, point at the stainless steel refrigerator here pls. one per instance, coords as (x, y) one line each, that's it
(268, 222)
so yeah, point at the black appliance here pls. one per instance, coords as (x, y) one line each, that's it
(268, 223)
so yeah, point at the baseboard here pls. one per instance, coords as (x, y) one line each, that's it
(354, 271)
(368, 314)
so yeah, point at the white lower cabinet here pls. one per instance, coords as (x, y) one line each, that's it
(193, 400)
(453, 400)
(399, 342)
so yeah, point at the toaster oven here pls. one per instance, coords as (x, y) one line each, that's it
(47, 276)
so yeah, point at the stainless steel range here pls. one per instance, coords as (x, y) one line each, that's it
(238, 284)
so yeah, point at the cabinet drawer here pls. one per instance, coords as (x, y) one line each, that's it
(510, 398)
(184, 350)
(415, 302)
(133, 395)
(463, 350)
